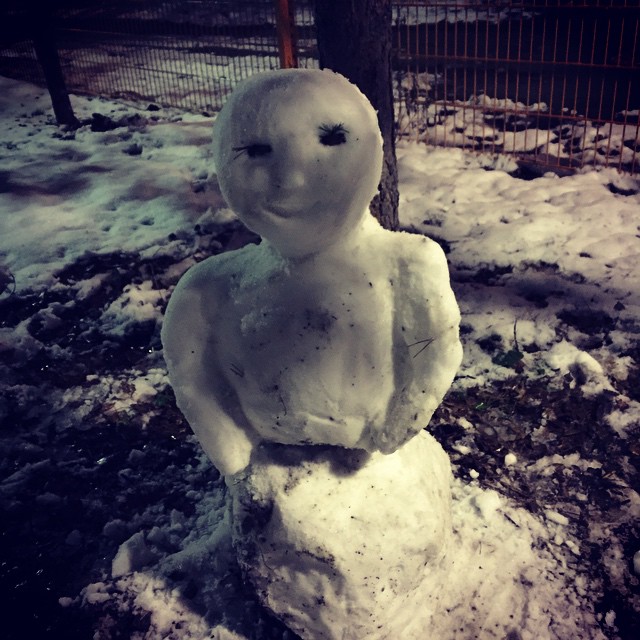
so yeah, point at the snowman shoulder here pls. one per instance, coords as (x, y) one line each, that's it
(202, 291)
(419, 259)
(215, 275)
(422, 292)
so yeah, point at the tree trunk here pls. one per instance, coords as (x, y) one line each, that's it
(41, 17)
(354, 39)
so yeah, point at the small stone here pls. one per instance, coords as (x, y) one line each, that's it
(48, 499)
(74, 539)
(116, 529)
(510, 460)
(556, 517)
(134, 149)
(132, 555)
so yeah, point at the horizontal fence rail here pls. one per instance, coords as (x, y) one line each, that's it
(553, 82)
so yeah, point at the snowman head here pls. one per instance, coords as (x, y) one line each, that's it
(298, 154)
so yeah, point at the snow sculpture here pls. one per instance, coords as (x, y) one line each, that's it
(307, 364)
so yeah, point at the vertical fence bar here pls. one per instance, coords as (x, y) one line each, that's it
(485, 98)
(624, 128)
(607, 155)
(496, 99)
(465, 55)
(527, 101)
(454, 54)
(507, 86)
(475, 106)
(574, 111)
(589, 87)
(436, 46)
(554, 60)
(602, 89)
(636, 139)
(445, 67)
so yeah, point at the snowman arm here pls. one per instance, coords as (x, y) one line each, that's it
(434, 356)
(426, 342)
(200, 389)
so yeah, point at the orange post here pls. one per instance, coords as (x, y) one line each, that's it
(285, 25)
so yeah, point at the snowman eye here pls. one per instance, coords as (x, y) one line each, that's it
(254, 150)
(331, 135)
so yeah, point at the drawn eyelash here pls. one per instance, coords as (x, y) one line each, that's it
(256, 150)
(332, 135)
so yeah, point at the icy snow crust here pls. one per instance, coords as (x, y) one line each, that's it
(555, 553)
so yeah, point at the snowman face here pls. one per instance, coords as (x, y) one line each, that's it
(298, 155)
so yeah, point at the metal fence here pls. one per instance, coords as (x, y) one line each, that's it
(556, 82)
(186, 54)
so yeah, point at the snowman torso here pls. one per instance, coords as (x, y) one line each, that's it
(333, 330)
(307, 351)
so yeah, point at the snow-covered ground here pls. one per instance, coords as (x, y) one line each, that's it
(114, 524)
(502, 126)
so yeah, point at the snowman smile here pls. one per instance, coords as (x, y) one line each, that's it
(282, 212)
(285, 210)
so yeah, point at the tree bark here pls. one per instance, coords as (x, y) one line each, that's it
(354, 39)
(44, 44)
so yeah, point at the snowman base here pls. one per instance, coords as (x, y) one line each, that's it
(340, 543)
